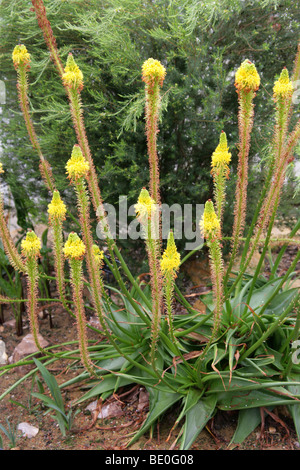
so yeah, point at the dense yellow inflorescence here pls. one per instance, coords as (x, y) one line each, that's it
(74, 247)
(210, 224)
(283, 87)
(98, 254)
(1, 168)
(57, 209)
(221, 157)
(31, 245)
(77, 166)
(246, 77)
(153, 71)
(145, 205)
(170, 261)
(20, 55)
(72, 76)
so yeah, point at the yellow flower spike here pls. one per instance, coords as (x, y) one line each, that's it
(31, 245)
(221, 157)
(77, 166)
(20, 55)
(1, 168)
(153, 71)
(57, 208)
(72, 76)
(283, 87)
(170, 261)
(145, 205)
(210, 224)
(98, 254)
(74, 247)
(246, 77)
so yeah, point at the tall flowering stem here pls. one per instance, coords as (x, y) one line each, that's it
(282, 92)
(153, 74)
(247, 82)
(74, 251)
(31, 246)
(283, 148)
(9, 246)
(57, 213)
(169, 265)
(73, 94)
(147, 214)
(220, 171)
(44, 24)
(78, 170)
(73, 81)
(21, 60)
(210, 227)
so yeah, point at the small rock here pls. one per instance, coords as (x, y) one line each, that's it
(27, 346)
(94, 321)
(109, 410)
(28, 430)
(10, 323)
(272, 430)
(143, 400)
(3, 355)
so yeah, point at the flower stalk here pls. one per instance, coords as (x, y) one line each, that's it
(13, 255)
(57, 214)
(247, 82)
(147, 214)
(74, 251)
(169, 265)
(78, 170)
(210, 227)
(30, 247)
(220, 171)
(153, 74)
(21, 60)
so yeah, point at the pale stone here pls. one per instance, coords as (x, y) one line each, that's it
(28, 430)
(3, 355)
(27, 346)
(108, 410)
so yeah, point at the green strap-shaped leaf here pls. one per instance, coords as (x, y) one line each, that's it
(196, 419)
(160, 402)
(248, 420)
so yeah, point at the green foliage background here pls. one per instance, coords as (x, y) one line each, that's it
(201, 44)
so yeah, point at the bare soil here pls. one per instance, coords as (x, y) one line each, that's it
(113, 432)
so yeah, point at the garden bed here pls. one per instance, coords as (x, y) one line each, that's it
(128, 409)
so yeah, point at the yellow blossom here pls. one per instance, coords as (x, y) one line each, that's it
(57, 208)
(20, 55)
(209, 224)
(221, 157)
(72, 75)
(170, 261)
(31, 245)
(74, 247)
(98, 254)
(246, 77)
(153, 71)
(283, 87)
(1, 168)
(145, 205)
(77, 166)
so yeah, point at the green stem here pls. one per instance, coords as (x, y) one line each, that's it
(76, 275)
(245, 126)
(32, 279)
